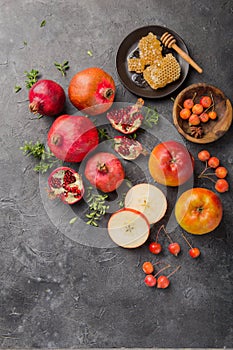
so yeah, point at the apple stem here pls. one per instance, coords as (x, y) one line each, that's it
(186, 240)
(178, 267)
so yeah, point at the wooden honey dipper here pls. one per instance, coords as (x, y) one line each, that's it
(169, 41)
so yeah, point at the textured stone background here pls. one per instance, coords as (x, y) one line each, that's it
(55, 292)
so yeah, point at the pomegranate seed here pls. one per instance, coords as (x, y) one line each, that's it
(124, 150)
(56, 183)
(68, 177)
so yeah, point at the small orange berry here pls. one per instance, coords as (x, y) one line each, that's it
(188, 103)
(221, 185)
(212, 115)
(206, 101)
(204, 117)
(213, 162)
(197, 108)
(185, 113)
(147, 267)
(221, 172)
(194, 120)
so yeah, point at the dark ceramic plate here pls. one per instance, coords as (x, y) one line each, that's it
(127, 49)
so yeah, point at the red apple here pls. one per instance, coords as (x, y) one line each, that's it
(198, 211)
(171, 164)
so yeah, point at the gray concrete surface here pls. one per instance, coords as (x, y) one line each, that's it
(55, 292)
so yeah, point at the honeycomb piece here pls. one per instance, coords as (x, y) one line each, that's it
(150, 48)
(162, 72)
(136, 65)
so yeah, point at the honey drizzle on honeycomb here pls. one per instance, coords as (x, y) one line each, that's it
(162, 73)
(157, 70)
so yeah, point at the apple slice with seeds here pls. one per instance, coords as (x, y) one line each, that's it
(147, 199)
(128, 228)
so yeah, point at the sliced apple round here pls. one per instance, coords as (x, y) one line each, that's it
(149, 200)
(128, 228)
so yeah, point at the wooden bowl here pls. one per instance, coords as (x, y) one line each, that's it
(213, 129)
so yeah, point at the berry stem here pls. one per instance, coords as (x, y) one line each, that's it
(189, 244)
(203, 171)
(194, 95)
(179, 106)
(178, 267)
(207, 177)
(213, 105)
(206, 167)
(212, 174)
(164, 268)
(166, 234)
(157, 236)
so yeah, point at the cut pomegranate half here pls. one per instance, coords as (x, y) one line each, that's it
(66, 184)
(128, 119)
(127, 148)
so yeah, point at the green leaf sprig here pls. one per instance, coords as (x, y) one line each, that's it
(62, 67)
(43, 23)
(17, 88)
(32, 78)
(133, 136)
(151, 118)
(73, 220)
(38, 151)
(97, 206)
(103, 134)
(121, 200)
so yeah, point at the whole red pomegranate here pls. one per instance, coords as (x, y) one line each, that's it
(92, 89)
(104, 171)
(70, 138)
(47, 98)
(66, 184)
